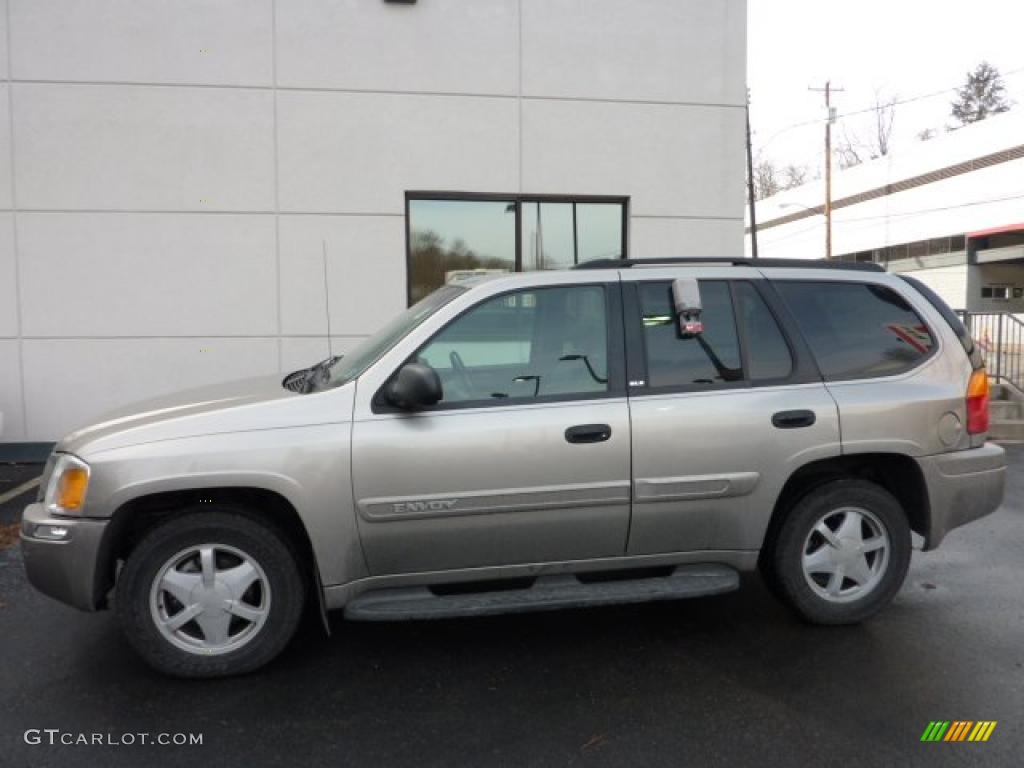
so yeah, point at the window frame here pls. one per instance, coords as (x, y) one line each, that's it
(804, 370)
(616, 357)
(932, 353)
(518, 200)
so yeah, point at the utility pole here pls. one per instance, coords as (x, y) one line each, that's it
(830, 111)
(750, 185)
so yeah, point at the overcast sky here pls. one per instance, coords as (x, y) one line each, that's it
(904, 48)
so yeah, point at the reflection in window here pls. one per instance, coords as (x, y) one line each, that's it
(599, 231)
(768, 353)
(452, 238)
(560, 235)
(857, 330)
(548, 240)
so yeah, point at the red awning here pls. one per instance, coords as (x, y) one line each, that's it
(997, 230)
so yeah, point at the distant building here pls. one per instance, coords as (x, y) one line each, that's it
(950, 210)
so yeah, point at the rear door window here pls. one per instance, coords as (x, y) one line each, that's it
(706, 360)
(857, 330)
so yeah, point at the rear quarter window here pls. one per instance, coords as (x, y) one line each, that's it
(857, 330)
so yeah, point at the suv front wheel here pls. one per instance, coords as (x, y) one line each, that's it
(842, 552)
(210, 593)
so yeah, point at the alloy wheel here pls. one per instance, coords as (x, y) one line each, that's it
(210, 599)
(846, 554)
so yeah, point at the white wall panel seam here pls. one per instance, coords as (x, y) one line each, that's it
(384, 92)
(277, 182)
(14, 230)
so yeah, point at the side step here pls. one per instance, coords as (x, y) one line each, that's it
(547, 593)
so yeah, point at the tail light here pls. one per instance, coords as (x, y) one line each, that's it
(977, 402)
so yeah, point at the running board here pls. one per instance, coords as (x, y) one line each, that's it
(547, 593)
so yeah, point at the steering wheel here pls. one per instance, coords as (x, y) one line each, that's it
(461, 371)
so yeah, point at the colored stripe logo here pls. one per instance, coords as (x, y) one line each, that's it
(958, 730)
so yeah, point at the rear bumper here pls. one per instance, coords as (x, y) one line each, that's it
(962, 486)
(64, 570)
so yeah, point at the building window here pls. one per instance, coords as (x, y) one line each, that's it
(997, 292)
(450, 235)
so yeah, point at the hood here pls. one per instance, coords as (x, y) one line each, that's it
(248, 404)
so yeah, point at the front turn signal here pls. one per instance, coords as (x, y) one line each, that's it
(71, 489)
(68, 485)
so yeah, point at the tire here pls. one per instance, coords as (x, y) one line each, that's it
(854, 570)
(210, 593)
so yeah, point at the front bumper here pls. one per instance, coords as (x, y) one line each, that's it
(962, 486)
(66, 569)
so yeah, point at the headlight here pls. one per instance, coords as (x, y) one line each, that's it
(65, 491)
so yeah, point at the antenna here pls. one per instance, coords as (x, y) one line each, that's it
(327, 302)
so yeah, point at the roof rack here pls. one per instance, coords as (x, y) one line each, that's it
(858, 266)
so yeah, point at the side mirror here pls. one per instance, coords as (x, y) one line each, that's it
(686, 300)
(415, 386)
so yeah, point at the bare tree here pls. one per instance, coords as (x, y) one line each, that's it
(766, 179)
(885, 116)
(853, 150)
(794, 176)
(849, 151)
(926, 135)
(983, 94)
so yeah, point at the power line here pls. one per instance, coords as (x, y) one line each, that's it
(937, 208)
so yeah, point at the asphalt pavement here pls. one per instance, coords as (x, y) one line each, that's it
(730, 680)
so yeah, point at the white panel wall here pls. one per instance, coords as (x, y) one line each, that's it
(8, 279)
(65, 378)
(620, 148)
(681, 51)
(185, 41)
(360, 152)
(6, 193)
(10, 391)
(179, 167)
(3, 39)
(444, 46)
(127, 147)
(361, 298)
(684, 238)
(148, 274)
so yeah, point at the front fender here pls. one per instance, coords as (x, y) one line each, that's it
(307, 466)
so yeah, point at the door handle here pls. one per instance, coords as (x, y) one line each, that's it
(588, 433)
(794, 419)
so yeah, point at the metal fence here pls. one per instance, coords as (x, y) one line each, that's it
(1000, 335)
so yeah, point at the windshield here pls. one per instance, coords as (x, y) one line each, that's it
(370, 350)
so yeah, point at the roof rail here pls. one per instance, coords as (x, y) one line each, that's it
(858, 266)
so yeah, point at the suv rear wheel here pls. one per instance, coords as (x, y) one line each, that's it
(842, 552)
(210, 593)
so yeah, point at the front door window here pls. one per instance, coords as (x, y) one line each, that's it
(525, 345)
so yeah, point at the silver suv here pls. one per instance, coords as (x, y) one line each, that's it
(624, 431)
